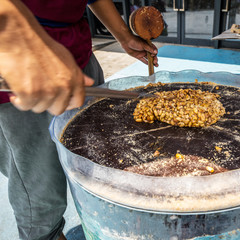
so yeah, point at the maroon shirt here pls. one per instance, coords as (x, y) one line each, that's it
(69, 11)
(76, 37)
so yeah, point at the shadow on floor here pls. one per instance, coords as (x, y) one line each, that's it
(75, 233)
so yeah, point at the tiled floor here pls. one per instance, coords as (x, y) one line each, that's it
(112, 57)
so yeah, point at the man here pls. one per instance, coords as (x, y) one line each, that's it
(46, 77)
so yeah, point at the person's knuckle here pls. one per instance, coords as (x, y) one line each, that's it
(31, 92)
(51, 93)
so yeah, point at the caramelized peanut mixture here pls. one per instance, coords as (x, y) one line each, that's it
(183, 108)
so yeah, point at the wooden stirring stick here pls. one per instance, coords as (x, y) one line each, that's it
(150, 61)
(147, 23)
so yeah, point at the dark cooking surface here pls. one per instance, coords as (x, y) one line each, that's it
(106, 132)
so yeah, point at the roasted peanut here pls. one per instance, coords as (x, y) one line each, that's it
(183, 108)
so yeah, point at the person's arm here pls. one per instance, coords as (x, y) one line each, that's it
(107, 13)
(41, 72)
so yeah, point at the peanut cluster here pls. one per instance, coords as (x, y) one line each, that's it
(183, 108)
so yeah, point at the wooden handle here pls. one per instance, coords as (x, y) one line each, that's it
(150, 60)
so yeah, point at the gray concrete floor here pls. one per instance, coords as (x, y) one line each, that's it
(8, 227)
(112, 56)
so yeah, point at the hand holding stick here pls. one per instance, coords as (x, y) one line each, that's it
(147, 23)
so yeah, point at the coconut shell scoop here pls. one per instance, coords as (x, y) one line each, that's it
(147, 22)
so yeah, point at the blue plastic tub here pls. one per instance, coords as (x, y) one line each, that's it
(119, 205)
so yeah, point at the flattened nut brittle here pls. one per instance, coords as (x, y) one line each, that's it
(183, 108)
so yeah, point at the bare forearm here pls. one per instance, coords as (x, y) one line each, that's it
(19, 28)
(107, 13)
(22, 39)
(41, 72)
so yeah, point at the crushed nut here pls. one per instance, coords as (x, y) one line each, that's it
(183, 108)
(210, 169)
(156, 153)
(218, 149)
(179, 156)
